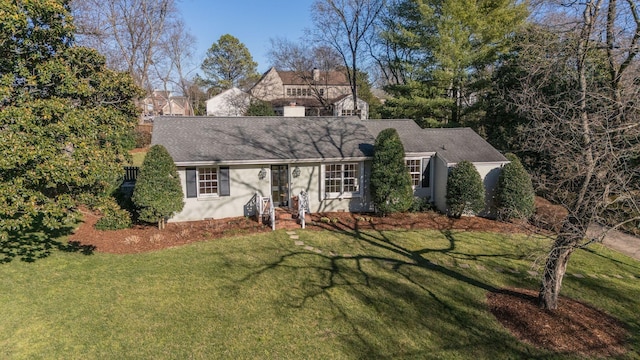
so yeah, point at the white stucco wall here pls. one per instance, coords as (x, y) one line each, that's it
(232, 102)
(347, 104)
(440, 174)
(489, 172)
(244, 183)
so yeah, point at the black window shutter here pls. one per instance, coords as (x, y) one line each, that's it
(225, 187)
(192, 183)
(426, 172)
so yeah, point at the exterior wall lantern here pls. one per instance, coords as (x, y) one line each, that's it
(296, 172)
(262, 173)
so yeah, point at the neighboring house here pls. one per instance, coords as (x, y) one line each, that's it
(231, 102)
(161, 102)
(317, 91)
(224, 162)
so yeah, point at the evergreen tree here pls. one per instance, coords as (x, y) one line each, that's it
(158, 193)
(390, 179)
(229, 64)
(448, 47)
(465, 192)
(64, 118)
(260, 108)
(514, 195)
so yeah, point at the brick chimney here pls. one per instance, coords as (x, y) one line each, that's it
(316, 75)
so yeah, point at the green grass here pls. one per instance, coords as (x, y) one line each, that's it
(138, 158)
(368, 295)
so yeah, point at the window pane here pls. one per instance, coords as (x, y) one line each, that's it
(415, 170)
(207, 181)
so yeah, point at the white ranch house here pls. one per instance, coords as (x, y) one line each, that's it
(224, 162)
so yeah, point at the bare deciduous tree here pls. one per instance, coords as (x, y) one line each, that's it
(302, 59)
(127, 32)
(344, 25)
(579, 93)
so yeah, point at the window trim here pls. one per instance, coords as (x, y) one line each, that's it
(212, 195)
(343, 195)
(419, 172)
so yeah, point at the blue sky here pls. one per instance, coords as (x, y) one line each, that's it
(253, 22)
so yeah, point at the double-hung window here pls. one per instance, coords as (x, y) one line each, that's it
(207, 182)
(342, 180)
(414, 166)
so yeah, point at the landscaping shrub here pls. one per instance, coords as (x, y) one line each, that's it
(465, 192)
(420, 204)
(514, 192)
(113, 217)
(260, 108)
(143, 138)
(157, 194)
(390, 179)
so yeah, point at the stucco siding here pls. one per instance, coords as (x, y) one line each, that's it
(244, 183)
(441, 172)
(489, 172)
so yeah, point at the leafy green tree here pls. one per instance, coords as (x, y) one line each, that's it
(158, 193)
(514, 193)
(465, 192)
(260, 108)
(390, 179)
(63, 120)
(229, 63)
(448, 46)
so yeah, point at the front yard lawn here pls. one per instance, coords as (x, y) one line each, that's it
(327, 295)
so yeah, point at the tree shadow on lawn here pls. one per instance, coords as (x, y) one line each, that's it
(38, 242)
(389, 312)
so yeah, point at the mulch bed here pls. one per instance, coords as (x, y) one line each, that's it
(574, 328)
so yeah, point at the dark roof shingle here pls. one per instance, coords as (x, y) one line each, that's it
(265, 139)
(254, 139)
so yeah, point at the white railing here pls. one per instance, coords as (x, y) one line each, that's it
(266, 210)
(303, 207)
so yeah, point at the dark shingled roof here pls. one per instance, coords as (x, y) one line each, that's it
(452, 144)
(268, 139)
(253, 139)
(457, 144)
(326, 78)
(408, 131)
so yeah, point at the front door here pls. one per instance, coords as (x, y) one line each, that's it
(280, 185)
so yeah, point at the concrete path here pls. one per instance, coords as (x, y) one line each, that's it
(619, 241)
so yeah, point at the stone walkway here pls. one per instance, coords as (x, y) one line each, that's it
(624, 243)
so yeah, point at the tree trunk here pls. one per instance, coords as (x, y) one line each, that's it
(556, 265)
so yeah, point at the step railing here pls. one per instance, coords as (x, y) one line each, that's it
(266, 211)
(303, 207)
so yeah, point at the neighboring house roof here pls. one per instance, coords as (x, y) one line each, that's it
(306, 102)
(258, 140)
(336, 78)
(262, 139)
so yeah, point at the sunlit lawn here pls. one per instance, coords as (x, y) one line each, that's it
(138, 158)
(368, 296)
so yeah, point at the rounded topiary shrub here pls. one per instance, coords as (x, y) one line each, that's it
(465, 192)
(157, 194)
(390, 179)
(515, 198)
(113, 217)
